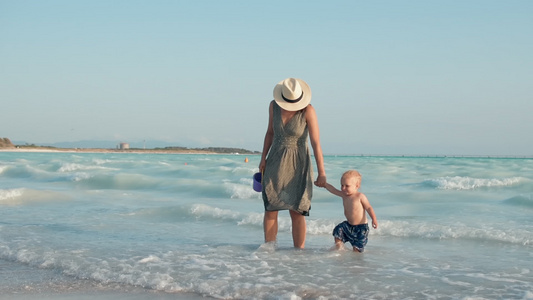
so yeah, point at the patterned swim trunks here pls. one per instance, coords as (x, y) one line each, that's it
(357, 235)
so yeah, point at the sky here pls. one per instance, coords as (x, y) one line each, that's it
(443, 77)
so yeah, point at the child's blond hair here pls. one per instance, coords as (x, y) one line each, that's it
(353, 174)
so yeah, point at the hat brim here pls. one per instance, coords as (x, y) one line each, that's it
(306, 99)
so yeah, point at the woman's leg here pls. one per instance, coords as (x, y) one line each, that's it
(270, 226)
(299, 229)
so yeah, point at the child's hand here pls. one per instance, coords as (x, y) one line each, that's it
(375, 224)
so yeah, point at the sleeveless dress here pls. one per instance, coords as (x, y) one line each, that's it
(287, 179)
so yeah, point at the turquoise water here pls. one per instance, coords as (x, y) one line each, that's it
(449, 228)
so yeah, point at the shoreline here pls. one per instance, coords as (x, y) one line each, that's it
(102, 150)
(200, 151)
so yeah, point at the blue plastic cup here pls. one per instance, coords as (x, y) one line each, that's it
(257, 182)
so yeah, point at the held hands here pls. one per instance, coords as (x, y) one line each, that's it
(321, 181)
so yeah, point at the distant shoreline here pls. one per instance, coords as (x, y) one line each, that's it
(227, 151)
(94, 150)
(134, 150)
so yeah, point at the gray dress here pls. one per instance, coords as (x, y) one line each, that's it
(287, 179)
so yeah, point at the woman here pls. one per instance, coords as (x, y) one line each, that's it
(286, 162)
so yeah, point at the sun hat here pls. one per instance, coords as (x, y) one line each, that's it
(292, 94)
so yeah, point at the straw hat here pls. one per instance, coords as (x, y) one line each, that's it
(292, 94)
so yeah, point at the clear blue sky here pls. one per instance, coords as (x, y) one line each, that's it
(388, 77)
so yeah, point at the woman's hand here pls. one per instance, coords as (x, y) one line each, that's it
(262, 165)
(321, 181)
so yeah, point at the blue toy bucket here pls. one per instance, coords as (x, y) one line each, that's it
(257, 182)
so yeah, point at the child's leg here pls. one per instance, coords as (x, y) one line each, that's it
(338, 244)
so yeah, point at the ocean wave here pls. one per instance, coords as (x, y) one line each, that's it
(242, 190)
(523, 201)
(237, 272)
(255, 219)
(22, 171)
(19, 196)
(427, 230)
(217, 215)
(200, 272)
(71, 167)
(9, 195)
(202, 210)
(392, 228)
(41, 173)
(402, 229)
(116, 181)
(469, 183)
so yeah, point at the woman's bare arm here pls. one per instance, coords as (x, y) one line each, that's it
(269, 136)
(314, 136)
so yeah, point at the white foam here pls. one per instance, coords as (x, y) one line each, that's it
(23, 195)
(470, 183)
(71, 167)
(11, 194)
(150, 259)
(252, 219)
(206, 210)
(80, 176)
(321, 226)
(431, 230)
(242, 190)
(455, 283)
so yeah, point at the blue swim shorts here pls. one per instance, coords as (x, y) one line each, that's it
(357, 235)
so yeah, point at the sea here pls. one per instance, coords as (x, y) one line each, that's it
(190, 226)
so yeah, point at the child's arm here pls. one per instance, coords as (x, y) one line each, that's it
(333, 190)
(369, 210)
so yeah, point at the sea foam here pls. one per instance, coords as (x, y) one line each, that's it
(469, 183)
(10, 194)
